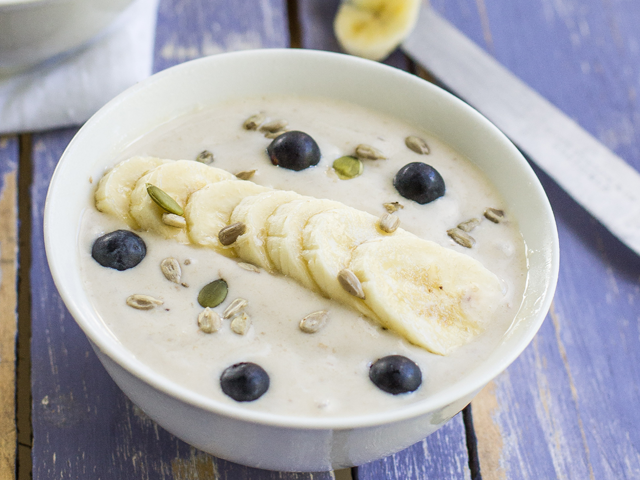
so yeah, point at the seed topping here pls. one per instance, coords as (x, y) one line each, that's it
(469, 224)
(389, 223)
(213, 294)
(369, 153)
(205, 157)
(230, 233)
(171, 269)
(314, 321)
(418, 145)
(392, 207)
(245, 174)
(495, 215)
(253, 122)
(235, 308)
(164, 200)
(240, 324)
(350, 283)
(348, 167)
(143, 302)
(209, 321)
(273, 126)
(461, 237)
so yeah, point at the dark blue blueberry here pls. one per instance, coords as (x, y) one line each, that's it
(244, 382)
(294, 150)
(395, 374)
(419, 182)
(121, 250)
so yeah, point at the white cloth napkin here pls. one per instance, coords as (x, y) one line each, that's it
(68, 90)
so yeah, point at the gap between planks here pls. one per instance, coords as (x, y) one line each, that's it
(23, 365)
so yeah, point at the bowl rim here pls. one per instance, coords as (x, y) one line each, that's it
(462, 388)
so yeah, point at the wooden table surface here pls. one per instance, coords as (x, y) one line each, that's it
(567, 408)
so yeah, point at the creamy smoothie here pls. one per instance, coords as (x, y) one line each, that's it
(325, 373)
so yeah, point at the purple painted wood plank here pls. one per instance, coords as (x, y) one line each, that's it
(84, 427)
(8, 303)
(443, 454)
(189, 29)
(566, 407)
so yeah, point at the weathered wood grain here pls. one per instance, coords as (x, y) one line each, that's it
(8, 303)
(566, 407)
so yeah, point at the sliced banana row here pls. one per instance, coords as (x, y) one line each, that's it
(436, 298)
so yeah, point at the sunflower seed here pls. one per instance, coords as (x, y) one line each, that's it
(245, 174)
(171, 269)
(230, 233)
(495, 215)
(392, 207)
(213, 294)
(469, 224)
(273, 126)
(173, 220)
(249, 267)
(369, 153)
(314, 321)
(461, 237)
(164, 200)
(350, 283)
(272, 135)
(143, 302)
(418, 145)
(253, 122)
(205, 157)
(209, 321)
(389, 223)
(348, 167)
(234, 308)
(240, 324)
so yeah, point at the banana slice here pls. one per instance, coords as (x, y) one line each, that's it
(284, 240)
(114, 189)
(209, 209)
(436, 298)
(374, 28)
(179, 179)
(254, 212)
(327, 242)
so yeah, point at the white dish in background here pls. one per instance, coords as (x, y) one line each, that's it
(266, 440)
(32, 31)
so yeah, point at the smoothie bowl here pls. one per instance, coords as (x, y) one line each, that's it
(325, 258)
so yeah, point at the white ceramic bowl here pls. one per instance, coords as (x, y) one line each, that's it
(32, 31)
(261, 439)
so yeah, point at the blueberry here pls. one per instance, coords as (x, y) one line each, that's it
(294, 150)
(121, 250)
(395, 374)
(419, 182)
(244, 382)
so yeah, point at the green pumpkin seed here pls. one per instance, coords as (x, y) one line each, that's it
(348, 167)
(205, 157)
(213, 294)
(164, 200)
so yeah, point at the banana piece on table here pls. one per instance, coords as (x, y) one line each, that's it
(209, 210)
(254, 212)
(284, 236)
(113, 194)
(328, 240)
(179, 180)
(434, 297)
(374, 28)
